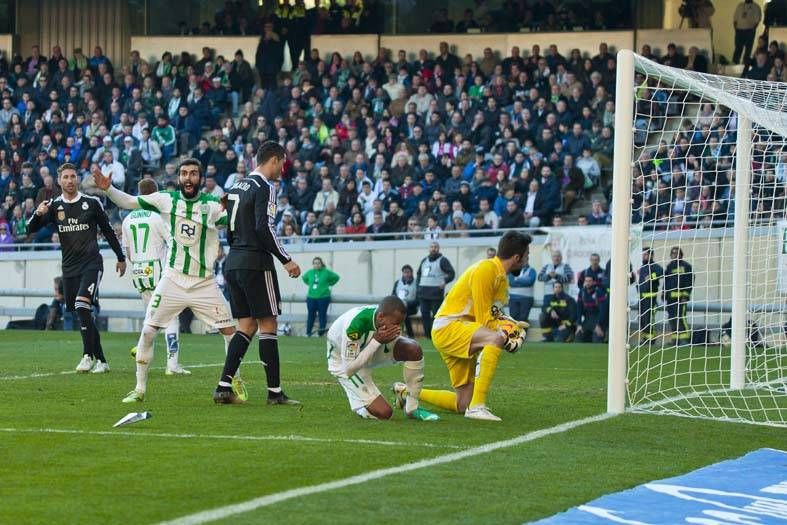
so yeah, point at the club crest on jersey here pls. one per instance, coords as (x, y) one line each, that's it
(85, 205)
(186, 232)
(61, 213)
(204, 208)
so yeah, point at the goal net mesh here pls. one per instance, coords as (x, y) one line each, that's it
(683, 197)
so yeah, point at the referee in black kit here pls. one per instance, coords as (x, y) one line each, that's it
(251, 275)
(78, 217)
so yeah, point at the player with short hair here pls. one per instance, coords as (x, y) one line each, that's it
(255, 299)
(145, 240)
(367, 337)
(470, 330)
(187, 281)
(78, 218)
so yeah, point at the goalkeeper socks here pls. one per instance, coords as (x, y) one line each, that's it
(413, 372)
(487, 366)
(269, 355)
(87, 327)
(440, 398)
(237, 349)
(144, 356)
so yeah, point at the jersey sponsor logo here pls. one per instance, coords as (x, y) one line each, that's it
(85, 205)
(186, 232)
(72, 226)
(271, 209)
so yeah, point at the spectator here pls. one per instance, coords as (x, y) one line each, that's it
(112, 168)
(594, 270)
(558, 315)
(597, 214)
(149, 150)
(326, 195)
(520, 292)
(513, 217)
(556, 272)
(6, 238)
(745, 21)
(319, 280)
(164, 135)
(270, 56)
(406, 290)
(434, 272)
(589, 304)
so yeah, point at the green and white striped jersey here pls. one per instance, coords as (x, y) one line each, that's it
(145, 240)
(349, 334)
(194, 241)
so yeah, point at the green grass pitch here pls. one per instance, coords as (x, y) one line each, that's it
(192, 455)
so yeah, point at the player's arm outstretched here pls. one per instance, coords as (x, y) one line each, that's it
(267, 236)
(119, 197)
(41, 217)
(111, 237)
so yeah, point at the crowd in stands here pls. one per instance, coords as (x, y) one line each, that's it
(688, 181)
(438, 146)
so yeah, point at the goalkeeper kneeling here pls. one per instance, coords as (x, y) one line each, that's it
(558, 316)
(470, 333)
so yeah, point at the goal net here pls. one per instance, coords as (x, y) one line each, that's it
(698, 320)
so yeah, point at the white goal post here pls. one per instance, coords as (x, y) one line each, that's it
(698, 291)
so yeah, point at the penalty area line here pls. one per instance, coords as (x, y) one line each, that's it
(168, 435)
(271, 499)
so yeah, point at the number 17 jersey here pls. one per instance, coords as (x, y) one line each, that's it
(145, 239)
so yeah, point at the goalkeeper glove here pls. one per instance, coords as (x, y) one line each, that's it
(513, 340)
(497, 313)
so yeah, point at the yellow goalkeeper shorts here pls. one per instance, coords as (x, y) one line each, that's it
(453, 343)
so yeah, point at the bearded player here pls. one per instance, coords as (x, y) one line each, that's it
(368, 337)
(470, 329)
(187, 281)
(145, 240)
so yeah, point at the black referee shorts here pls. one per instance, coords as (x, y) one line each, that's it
(84, 285)
(253, 293)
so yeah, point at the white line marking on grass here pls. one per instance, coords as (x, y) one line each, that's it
(292, 437)
(36, 375)
(271, 499)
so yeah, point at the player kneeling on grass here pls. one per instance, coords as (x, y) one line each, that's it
(368, 337)
(470, 329)
(145, 239)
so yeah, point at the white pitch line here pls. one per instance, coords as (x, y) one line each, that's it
(167, 435)
(37, 375)
(271, 499)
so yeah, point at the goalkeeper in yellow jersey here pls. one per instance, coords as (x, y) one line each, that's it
(470, 324)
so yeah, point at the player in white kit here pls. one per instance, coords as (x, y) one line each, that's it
(187, 281)
(368, 337)
(145, 241)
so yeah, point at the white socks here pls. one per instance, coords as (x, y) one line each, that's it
(413, 372)
(144, 356)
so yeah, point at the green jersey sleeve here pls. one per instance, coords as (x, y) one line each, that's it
(362, 324)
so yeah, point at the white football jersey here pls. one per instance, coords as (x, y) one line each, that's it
(146, 238)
